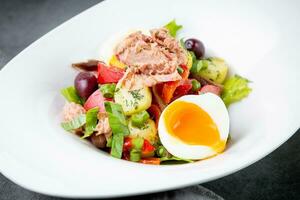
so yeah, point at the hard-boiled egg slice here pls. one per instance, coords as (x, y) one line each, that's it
(195, 126)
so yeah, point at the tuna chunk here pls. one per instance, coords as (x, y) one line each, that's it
(151, 59)
(103, 125)
(71, 111)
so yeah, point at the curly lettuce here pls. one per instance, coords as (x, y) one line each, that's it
(173, 27)
(235, 89)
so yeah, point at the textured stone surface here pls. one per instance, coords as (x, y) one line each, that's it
(275, 177)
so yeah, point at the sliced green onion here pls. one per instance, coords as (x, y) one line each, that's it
(71, 95)
(139, 119)
(137, 143)
(91, 122)
(135, 155)
(180, 70)
(195, 85)
(108, 90)
(75, 123)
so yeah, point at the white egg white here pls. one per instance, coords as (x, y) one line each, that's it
(216, 109)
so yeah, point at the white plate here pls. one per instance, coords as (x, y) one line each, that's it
(259, 39)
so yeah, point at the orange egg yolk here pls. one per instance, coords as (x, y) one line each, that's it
(192, 125)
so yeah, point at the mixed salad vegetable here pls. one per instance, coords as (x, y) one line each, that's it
(123, 120)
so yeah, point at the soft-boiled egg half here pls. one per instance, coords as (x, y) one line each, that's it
(195, 126)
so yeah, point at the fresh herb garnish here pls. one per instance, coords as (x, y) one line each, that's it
(91, 122)
(136, 94)
(118, 125)
(71, 95)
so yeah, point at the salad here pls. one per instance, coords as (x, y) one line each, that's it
(156, 99)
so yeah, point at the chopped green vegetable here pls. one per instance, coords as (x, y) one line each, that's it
(162, 152)
(235, 89)
(71, 95)
(75, 123)
(108, 90)
(139, 119)
(135, 155)
(166, 157)
(173, 27)
(137, 143)
(118, 125)
(195, 85)
(91, 122)
(180, 70)
(117, 145)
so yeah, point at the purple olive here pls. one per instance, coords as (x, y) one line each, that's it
(195, 46)
(85, 84)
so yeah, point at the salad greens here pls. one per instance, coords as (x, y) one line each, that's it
(173, 27)
(168, 158)
(71, 95)
(91, 122)
(235, 89)
(134, 134)
(75, 123)
(108, 90)
(117, 145)
(118, 124)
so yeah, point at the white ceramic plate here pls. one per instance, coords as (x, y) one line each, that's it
(259, 39)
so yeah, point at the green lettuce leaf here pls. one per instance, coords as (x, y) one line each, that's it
(71, 95)
(118, 125)
(75, 123)
(167, 158)
(117, 145)
(91, 122)
(235, 89)
(173, 27)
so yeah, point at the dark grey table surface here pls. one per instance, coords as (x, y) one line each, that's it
(277, 176)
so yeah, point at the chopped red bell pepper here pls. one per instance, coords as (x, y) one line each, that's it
(151, 161)
(147, 148)
(182, 89)
(154, 112)
(127, 144)
(109, 74)
(170, 87)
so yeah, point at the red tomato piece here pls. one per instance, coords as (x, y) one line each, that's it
(154, 112)
(109, 74)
